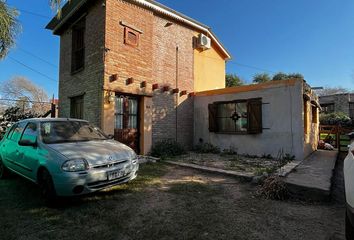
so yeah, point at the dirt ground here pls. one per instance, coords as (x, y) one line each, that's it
(165, 202)
(252, 165)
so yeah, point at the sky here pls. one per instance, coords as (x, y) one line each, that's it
(314, 38)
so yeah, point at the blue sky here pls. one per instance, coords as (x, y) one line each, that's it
(315, 38)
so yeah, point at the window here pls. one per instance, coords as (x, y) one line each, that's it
(78, 46)
(131, 37)
(327, 108)
(236, 117)
(119, 112)
(30, 133)
(16, 131)
(126, 113)
(77, 107)
(69, 131)
(351, 110)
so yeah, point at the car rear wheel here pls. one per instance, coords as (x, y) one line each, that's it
(349, 228)
(3, 170)
(47, 187)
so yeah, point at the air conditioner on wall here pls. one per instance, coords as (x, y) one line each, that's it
(204, 42)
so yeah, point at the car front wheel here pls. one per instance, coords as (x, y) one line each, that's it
(349, 228)
(47, 187)
(3, 170)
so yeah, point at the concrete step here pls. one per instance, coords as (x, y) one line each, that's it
(312, 178)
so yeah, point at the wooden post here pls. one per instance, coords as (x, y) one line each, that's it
(53, 110)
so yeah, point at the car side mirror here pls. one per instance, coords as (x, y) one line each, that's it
(27, 143)
(110, 136)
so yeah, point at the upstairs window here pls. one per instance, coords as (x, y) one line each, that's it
(243, 117)
(78, 46)
(131, 37)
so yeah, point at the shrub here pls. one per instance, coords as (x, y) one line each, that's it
(335, 119)
(274, 188)
(229, 151)
(167, 148)
(206, 148)
(267, 156)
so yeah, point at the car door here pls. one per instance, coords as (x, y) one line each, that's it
(12, 148)
(4, 147)
(27, 156)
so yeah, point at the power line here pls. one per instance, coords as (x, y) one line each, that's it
(252, 67)
(244, 65)
(32, 69)
(39, 58)
(33, 13)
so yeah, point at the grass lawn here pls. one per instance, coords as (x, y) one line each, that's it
(164, 202)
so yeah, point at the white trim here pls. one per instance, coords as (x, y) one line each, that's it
(182, 19)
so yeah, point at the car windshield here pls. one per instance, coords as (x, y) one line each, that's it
(69, 131)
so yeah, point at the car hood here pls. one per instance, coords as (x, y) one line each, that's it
(95, 152)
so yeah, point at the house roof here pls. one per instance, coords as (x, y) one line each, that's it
(249, 88)
(70, 8)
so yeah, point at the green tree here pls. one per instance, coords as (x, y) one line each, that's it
(296, 75)
(280, 76)
(261, 78)
(9, 25)
(9, 28)
(232, 80)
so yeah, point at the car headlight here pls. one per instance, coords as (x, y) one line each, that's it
(75, 165)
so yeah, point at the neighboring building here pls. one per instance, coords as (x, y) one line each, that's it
(343, 102)
(270, 118)
(132, 66)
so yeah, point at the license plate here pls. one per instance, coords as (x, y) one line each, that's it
(115, 174)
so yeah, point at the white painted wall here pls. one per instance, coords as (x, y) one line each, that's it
(282, 114)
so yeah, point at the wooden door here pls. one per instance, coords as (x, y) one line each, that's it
(127, 121)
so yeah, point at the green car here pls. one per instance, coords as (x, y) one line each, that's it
(65, 157)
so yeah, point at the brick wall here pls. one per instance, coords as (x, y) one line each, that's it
(89, 80)
(167, 63)
(153, 61)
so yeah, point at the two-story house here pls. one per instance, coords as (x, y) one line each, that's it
(132, 67)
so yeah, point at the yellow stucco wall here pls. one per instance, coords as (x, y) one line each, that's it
(209, 70)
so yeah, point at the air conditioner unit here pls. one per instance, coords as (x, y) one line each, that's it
(204, 42)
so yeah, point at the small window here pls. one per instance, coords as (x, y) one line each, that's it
(16, 132)
(131, 37)
(78, 46)
(30, 133)
(236, 117)
(9, 135)
(351, 110)
(77, 107)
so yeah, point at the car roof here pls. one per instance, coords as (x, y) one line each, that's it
(52, 120)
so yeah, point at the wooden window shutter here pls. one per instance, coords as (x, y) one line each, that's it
(213, 126)
(255, 116)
